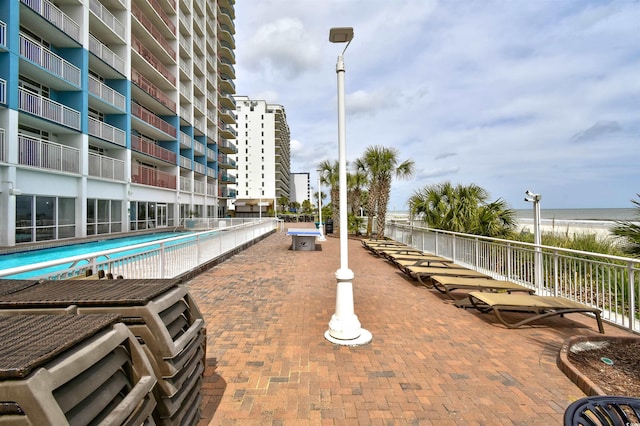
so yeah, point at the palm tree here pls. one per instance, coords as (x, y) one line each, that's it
(380, 164)
(629, 232)
(330, 176)
(355, 182)
(463, 209)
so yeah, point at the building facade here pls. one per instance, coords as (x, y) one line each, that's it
(300, 187)
(263, 158)
(114, 115)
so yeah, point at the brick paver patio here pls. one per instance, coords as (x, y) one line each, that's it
(429, 363)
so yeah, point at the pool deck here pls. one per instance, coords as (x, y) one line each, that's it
(429, 363)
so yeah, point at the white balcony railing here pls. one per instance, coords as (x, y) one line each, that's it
(3, 150)
(609, 283)
(185, 162)
(57, 17)
(107, 55)
(199, 187)
(3, 34)
(199, 168)
(106, 93)
(106, 17)
(47, 155)
(3, 91)
(46, 108)
(40, 55)
(198, 147)
(211, 189)
(106, 167)
(185, 184)
(106, 131)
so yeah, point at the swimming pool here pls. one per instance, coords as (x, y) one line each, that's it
(12, 260)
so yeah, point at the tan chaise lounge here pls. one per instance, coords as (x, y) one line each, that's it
(434, 262)
(423, 273)
(446, 284)
(393, 251)
(539, 306)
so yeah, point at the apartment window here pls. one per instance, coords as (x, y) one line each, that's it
(41, 218)
(103, 216)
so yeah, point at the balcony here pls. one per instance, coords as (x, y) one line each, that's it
(3, 91)
(185, 184)
(226, 131)
(106, 93)
(45, 58)
(228, 179)
(225, 162)
(107, 19)
(199, 168)
(227, 115)
(225, 50)
(43, 154)
(106, 132)
(149, 147)
(107, 55)
(153, 120)
(226, 146)
(211, 155)
(3, 35)
(3, 147)
(155, 33)
(55, 16)
(152, 90)
(227, 101)
(198, 148)
(185, 163)
(152, 60)
(199, 187)
(106, 167)
(153, 177)
(226, 33)
(48, 109)
(226, 67)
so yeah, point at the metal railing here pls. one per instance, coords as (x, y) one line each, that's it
(168, 258)
(106, 167)
(48, 109)
(609, 283)
(47, 155)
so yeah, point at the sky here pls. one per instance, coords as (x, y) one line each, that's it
(510, 95)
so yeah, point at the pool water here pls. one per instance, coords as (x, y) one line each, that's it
(12, 260)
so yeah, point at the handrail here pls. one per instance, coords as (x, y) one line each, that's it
(168, 258)
(610, 283)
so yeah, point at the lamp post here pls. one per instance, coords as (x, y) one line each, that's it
(321, 237)
(344, 326)
(537, 239)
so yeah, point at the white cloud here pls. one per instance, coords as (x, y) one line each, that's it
(495, 93)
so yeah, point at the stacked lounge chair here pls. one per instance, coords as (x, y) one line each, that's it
(69, 369)
(160, 313)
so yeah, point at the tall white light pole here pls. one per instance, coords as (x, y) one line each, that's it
(537, 239)
(344, 326)
(320, 227)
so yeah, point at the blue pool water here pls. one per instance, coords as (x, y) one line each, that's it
(13, 260)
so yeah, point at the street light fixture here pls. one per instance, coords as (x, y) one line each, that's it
(344, 326)
(321, 237)
(537, 238)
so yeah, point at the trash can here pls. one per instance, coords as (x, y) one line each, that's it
(328, 226)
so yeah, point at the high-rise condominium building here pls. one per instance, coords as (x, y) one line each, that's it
(114, 115)
(300, 187)
(263, 158)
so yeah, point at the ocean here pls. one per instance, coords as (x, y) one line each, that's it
(587, 221)
(581, 214)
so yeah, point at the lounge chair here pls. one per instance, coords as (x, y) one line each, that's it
(540, 306)
(423, 273)
(398, 250)
(446, 284)
(402, 264)
(603, 410)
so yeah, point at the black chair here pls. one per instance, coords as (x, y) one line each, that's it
(603, 410)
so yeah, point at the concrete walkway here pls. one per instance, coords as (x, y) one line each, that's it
(429, 363)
